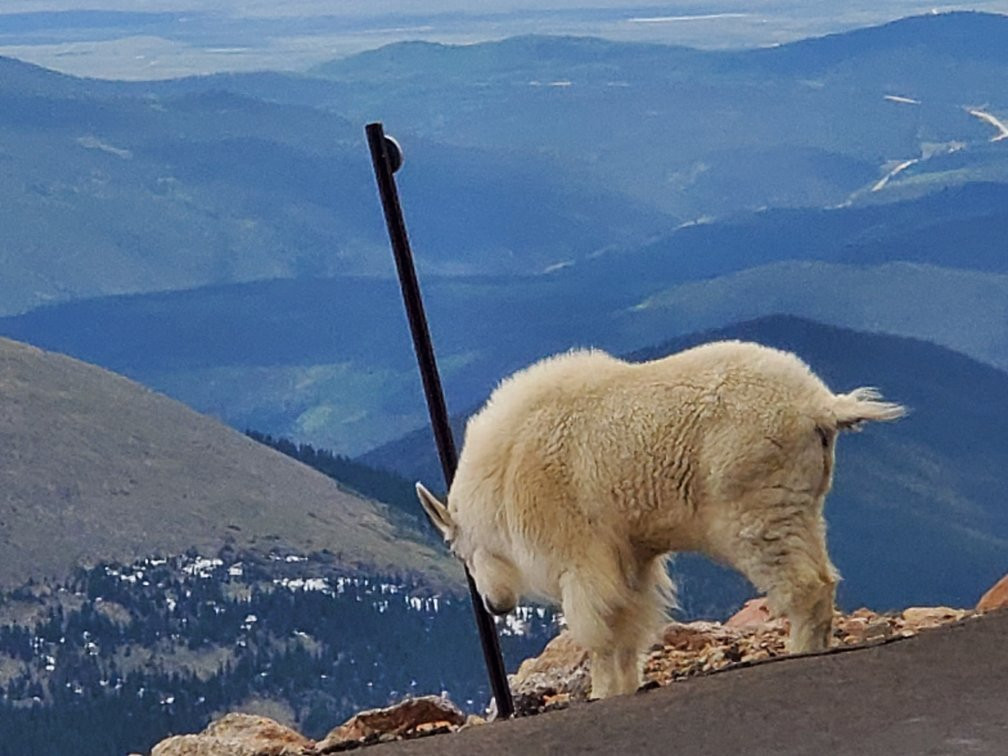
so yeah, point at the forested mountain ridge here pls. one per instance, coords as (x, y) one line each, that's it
(112, 658)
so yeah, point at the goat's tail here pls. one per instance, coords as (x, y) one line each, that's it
(864, 405)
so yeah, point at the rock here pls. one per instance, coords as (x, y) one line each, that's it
(700, 647)
(473, 720)
(238, 735)
(863, 626)
(560, 676)
(560, 670)
(413, 717)
(927, 617)
(557, 701)
(694, 636)
(995, 598)
(753, 612)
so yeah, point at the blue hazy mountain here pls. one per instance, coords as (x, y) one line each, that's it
(109, 192)
(521, 154)
(963, 36)
(328, 360)
(800, 124)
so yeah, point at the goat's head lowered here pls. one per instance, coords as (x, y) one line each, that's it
(498, 579)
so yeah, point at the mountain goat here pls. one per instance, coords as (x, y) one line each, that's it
(582, 472)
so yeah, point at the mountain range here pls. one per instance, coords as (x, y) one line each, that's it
(234, 221)
(702, 133)
(114, 187)
(328, 361)
(110, 189)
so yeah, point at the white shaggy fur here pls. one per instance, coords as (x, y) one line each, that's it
(582, 472)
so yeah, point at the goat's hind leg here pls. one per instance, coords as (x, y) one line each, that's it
(615, 668)
(641, 620)
(785, 557)
(805, 591)
(622, 661)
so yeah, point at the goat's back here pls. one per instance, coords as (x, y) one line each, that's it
(584, 436)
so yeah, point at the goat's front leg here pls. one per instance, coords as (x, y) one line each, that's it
(592, 614)
(628, 664)
(606, 679)
(615, 615)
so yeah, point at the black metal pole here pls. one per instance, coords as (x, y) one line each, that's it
(387, 157)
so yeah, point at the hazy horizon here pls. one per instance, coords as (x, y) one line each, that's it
(158, 39)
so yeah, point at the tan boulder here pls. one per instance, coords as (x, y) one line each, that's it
(996, 597)
(927, 617)
(863, 626)
(753, 612)
(238, 735)
(413, 717)
(559, 674)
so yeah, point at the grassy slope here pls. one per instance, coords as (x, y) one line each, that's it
(97, 467)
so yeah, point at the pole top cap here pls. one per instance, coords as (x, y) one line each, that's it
(395, 153)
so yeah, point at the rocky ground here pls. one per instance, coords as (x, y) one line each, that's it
(560, 677)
